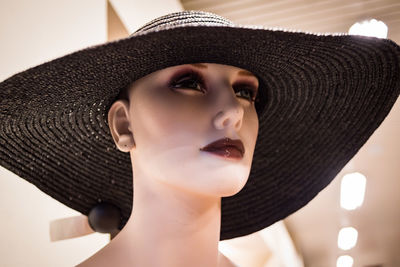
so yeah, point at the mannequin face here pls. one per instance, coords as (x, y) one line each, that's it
(174, 112)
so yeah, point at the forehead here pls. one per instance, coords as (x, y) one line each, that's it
(215, 69)
(240, 71)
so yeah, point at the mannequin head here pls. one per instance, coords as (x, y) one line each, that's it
(168, 115)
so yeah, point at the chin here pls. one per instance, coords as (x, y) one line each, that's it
(232, 185)
(232, 191)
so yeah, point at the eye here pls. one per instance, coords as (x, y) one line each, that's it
(188, 79)
(191, 79)
(246, 91)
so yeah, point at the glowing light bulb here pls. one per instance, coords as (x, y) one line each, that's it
(373, 27)
(352, 190)
(344, 261)
(347, 238)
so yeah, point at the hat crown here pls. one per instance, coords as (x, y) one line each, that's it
(183, 19)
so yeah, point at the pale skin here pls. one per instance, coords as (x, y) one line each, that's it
(176, 217)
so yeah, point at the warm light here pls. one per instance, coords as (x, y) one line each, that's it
(373, 27)
(344, 261)
(352, 190)
(347, 238)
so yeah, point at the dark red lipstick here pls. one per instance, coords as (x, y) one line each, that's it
(226, 147)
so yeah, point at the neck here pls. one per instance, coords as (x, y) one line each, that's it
(174, 229)
(168, 227)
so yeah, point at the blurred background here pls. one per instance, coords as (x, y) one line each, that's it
(360, 228)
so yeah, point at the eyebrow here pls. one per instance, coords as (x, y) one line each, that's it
(242, 72)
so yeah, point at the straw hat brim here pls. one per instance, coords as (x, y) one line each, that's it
(324, 96)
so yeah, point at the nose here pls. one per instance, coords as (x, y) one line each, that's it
(230, 112)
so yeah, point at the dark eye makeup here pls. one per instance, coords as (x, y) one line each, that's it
(190, 78)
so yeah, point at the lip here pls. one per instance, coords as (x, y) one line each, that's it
(226, 147)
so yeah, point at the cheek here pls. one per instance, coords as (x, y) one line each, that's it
(250, 127)
(163, 122)
(164, 112)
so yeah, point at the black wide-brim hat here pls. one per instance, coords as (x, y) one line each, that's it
(321, 98)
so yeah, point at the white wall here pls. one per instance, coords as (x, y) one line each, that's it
(135, 13)
(32, 32)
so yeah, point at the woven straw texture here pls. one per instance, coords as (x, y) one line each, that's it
(322, 98)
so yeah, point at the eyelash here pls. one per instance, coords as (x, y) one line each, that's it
(191, 75)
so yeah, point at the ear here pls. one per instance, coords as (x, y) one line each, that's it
(118, 121)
